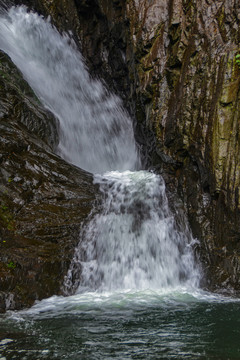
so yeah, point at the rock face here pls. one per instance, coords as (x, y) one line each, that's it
(188, 85)
(174, 63)
(43, 199)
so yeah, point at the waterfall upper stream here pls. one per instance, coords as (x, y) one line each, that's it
(95, 131)
(134, 280)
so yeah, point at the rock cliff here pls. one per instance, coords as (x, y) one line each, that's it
(174, 64)
(43, 199)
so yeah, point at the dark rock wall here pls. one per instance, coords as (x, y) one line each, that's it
(43, 199)
(18, 101)
(185, 55)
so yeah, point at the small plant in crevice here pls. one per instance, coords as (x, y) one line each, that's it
(6, 217)
(238, 60)
(11, 265)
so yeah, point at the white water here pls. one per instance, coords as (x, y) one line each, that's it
(95, 131)
(134, 243)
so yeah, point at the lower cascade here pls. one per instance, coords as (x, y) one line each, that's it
(134, 243)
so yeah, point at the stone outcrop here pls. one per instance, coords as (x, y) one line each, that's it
(174, 63)
(43, 199)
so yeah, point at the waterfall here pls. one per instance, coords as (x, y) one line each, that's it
(95, 131)
(134, 242)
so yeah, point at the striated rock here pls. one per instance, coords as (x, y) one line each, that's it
(43, 199)
(19, 101)
(186, 64)
(174, 63)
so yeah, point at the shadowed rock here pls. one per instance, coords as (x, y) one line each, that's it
(43, 199)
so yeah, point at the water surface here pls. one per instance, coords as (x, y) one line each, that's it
(127, 325)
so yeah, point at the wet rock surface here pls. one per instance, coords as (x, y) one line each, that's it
(185, 55)
(174, 63)
(18, 101)
(43, 199)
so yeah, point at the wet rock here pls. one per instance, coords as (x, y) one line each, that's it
(19, 101)
(174, 63)
(187, 55)
(43, 199)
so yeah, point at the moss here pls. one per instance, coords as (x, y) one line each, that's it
(187, 5)
(172, 76)
(11, 265)
(6, 218)
(225, 131)
(237, 63)
(229, 92)
(221, 23)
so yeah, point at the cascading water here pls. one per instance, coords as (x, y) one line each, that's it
(133, 277)
(134, 242)
(95, 131)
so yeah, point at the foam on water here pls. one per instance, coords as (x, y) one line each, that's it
(121, 302)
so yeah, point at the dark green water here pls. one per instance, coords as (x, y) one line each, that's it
(144, 325)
